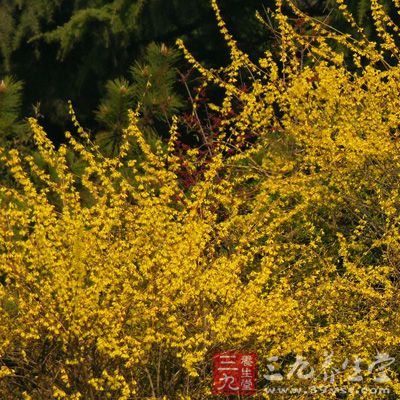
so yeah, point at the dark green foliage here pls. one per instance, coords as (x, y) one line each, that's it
(152, 87)
(69, 49)
(12, 129)
(22, 19)
(112, 114)
(363, 8)
(107, 22)
(153, 83)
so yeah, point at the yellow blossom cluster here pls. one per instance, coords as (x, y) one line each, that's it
(288, 246)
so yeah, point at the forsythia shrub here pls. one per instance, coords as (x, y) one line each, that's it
(286, 245)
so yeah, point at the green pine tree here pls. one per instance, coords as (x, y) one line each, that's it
(112, 115)
(152, 86)
(13, 130)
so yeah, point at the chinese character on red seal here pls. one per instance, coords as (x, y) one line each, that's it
(234, 373)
